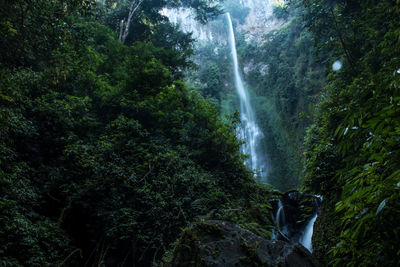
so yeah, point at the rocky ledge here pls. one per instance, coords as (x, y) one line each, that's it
(221, 243)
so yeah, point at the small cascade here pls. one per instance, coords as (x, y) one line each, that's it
(291, 209)
(306, 239)
(249, 132)
(280, 218)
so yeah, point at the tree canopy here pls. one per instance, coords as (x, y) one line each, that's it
(105, 155)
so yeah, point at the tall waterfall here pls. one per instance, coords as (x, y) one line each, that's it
(249, 132)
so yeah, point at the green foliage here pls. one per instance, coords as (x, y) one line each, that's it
(285, 79)
(213, 77)
(148, 17)
(353, 149)
(104, 155)
(280, 12)
(32, 31)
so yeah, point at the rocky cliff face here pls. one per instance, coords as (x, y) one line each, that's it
(186, 19)
(260, 19)
(254, 18)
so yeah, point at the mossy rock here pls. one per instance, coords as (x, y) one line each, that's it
(221, 243)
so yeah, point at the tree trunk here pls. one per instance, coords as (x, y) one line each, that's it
(132, 10)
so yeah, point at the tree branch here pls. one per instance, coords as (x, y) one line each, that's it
(132, 10)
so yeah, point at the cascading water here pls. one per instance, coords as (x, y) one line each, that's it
(280, 218)
(289, 211)
(306, 239)
(249, 132)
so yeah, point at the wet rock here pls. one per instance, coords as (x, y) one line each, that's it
(221, 243)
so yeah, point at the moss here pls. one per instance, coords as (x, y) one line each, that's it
(187, 251)
(326, 229)
(209, 228)
(216, 253)
(257, 229)
(251, 255)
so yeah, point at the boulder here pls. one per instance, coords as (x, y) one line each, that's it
(221, 243)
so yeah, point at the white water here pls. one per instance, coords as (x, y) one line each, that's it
(281, 218)
(249, 132)
(280, 215)
(306, 239)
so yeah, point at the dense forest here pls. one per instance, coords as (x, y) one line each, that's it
(105, 155)
(119, 135)
(353, 148)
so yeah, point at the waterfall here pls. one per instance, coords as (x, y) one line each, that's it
(306, 239)
(249, 132)
(280, 215)
(280, 218)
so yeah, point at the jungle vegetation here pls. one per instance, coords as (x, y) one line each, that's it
(353, 147)
(106, 154)
(328, 104)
